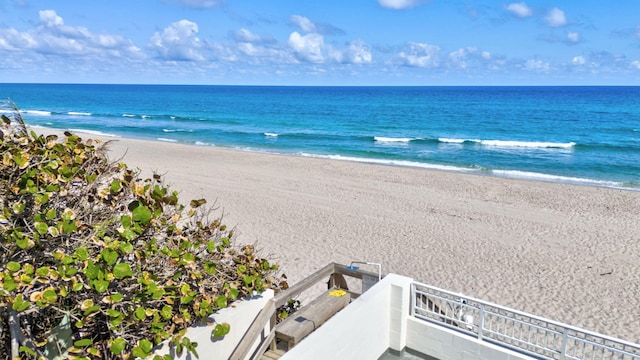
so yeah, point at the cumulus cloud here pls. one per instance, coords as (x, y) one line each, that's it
(555, 18)
(307, 47)
(178, 41)
(356, 53)
(420, 55)
(464, 58)
(53, 37)
(635, 64)
(578, 60)
(537, 65)
(520, 9)
(244, 35)
(304, 23)
(573, 36)
(398, 4)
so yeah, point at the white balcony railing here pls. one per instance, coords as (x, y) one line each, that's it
(525, 333)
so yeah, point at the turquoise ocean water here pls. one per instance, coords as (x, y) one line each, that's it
(584, 135)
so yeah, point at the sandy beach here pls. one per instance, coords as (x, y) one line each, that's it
(568, 253)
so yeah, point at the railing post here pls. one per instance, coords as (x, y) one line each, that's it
(481, 324)
(412, 300)
(565, 340)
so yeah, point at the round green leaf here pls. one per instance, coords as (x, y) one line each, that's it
(13, 266)
(221, 330)
(122, 270)
(82, 254)
(142, 214)
(221, 301)
(117, 346)
(139, 313)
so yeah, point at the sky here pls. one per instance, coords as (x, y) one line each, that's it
(321, 42)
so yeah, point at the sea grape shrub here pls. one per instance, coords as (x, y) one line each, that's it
(96, 262)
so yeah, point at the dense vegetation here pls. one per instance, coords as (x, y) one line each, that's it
(96, 262)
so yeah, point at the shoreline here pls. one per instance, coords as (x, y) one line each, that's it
(497, 173)
(564, 252)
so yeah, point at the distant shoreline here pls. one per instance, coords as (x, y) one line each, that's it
(515, 175)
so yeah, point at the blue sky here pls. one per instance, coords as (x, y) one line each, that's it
(323, 42)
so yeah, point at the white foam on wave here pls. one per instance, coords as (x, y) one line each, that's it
(94, 132)
(79, 113)
(516, 174)
(403, 163)
(167, 140)
(146, 116)
(527, 144)
(456, 141)
(128, 115)
(270, 134)
(37, 112)
(176, 130)
(200, 143)
(382, 139)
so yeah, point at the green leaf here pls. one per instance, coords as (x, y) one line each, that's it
(51, 214)
(197, 203)
(69, 227)
(100, 285)
(115, 297)
(221, 301)
(210, 267)
(125, 220)
(233, 293)
(126, 247)
(142, 214)
(82, 254)
(166, 312)
(109, 256)
(122, 270)
(221, 330)
(83, 343)
(115, 186)
(139, 313)
(128, 234)
(25, 349)
(13, 266)
(41, 228)
(117, 346)
(50, 296)
(19, 304)
(143, 350)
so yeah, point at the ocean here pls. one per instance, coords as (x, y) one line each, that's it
(578, 135)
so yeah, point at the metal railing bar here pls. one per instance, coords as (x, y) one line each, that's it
(515, 329)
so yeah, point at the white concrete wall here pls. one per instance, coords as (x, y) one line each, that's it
(446, 344)
(239, 315)
(362, 330)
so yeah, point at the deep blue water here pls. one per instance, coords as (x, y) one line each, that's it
(587, 135)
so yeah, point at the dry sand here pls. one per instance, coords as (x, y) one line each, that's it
(568, 253)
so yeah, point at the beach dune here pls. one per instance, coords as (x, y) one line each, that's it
(564, 252)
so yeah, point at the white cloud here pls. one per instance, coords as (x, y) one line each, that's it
(578, 60)
(398, 4)
(244, 35)
(635, 64)
(304, 23)
(356, 53)
(178, 41)
(486, 55)
(307, 47)
(421, 55)
(555, 18)
(53, 37)
(573, 36)
(520, 9)
(537, 65)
